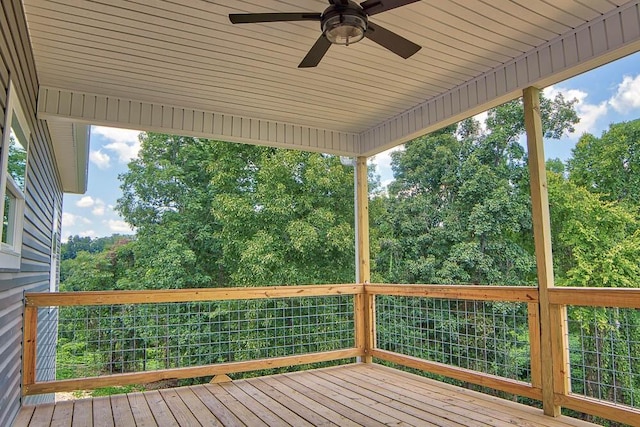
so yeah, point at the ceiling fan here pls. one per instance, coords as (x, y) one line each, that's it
(344, 22)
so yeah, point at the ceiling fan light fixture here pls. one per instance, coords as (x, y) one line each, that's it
(345, 27)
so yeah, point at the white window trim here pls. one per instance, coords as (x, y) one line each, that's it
(55, 252)
(11, 253)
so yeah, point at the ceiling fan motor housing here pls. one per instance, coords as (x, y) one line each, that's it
(344, 24)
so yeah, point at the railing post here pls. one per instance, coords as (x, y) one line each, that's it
(542, 239)
(533, 317)
(30, 328)
(365, 303)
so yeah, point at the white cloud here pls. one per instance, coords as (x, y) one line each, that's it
(383, 165)
(68, 219)
(123, 143)
(87, 233)
(85, 202)
(627, 97)
(100, 159)
(589, 114)
(118, 226)
(99, 208)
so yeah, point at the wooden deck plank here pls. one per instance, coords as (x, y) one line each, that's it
(473, 401)
(216, 407)
(62, 414)
(327, 412)
(348, 395)
(102, 413)
(289, 400)
(325, 400)
(42, 415)
(122, 414)
(453, 404)
(433, 403)
(82, 413)
(262, 412)
(140, 409)
(24, 416)
(267, 401)
(242, 412)
(425, 402)
(371, 399)
(159, 409)
(417, 409)
(354, 401)
(183, 415)
(199, 409)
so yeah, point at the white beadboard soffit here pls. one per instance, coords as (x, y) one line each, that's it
(180, 67)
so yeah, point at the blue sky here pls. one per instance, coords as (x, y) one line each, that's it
(606, 95)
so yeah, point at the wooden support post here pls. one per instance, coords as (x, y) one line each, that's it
(30, 328)
(542, 238)
(365, 304)
(533, 314)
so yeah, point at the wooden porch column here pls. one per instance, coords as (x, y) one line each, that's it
(551, 320)
(365, 306)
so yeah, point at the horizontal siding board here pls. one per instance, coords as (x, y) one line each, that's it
(8, 282)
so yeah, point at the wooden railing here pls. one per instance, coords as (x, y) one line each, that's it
(560, 299)
(33, 301)
(364, 346)
(527, 295)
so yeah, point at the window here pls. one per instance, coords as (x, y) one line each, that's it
(13, 178)
(55, 252)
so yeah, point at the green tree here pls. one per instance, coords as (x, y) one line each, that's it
(459, 206)
(596, 243)
(610, 165)
(211, 213)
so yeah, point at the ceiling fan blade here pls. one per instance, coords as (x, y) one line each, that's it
(392, 41)
(250, 18)
(376, 6)
(316, 53)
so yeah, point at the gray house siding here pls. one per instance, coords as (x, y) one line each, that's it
(43, 195)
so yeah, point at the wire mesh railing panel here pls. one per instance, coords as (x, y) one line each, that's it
(110, 339)
(604, 353)
(487, 337)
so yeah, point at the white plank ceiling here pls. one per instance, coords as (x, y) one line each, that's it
(185, 62)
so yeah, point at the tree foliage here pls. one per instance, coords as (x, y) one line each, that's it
(215, 213)
(459, 208)
(610, 165)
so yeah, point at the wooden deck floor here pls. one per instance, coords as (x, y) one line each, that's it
(361, 394)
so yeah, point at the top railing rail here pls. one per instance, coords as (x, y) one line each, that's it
(62, 299)
(462, 292)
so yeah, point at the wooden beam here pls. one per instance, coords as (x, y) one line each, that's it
(365, 304)
(533, 314)
(596, 297)
(30, 329)
(626, 415)
(362, 220)
(542, 239)
(191, 372)
(185, 295)
(465, 292)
